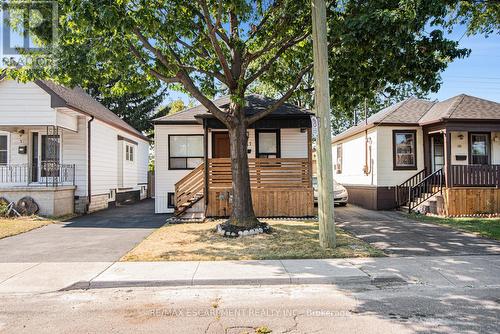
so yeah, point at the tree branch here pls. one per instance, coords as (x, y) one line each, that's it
(254, 118)
(205, 101)
(152, 49)
(276, 56)
(215, 43)
(151, 71)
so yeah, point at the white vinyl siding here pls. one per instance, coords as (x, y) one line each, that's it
(354, 159)
(387, 176)
(28, 100)
(74, 151)
(165, 179)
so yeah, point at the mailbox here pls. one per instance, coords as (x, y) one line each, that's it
(22, 149)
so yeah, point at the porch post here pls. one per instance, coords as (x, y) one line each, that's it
(427, 151)
(309, 156)
(447, 161)
(205, 156)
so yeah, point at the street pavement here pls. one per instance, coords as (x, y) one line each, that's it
(291, 309)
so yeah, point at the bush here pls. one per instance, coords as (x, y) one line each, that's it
(3, 209)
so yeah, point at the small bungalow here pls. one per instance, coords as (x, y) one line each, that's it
(438, 157)
(66, 151)
(193, 168)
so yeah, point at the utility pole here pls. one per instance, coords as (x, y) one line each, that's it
(322, 111)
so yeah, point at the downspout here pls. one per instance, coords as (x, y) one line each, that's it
(367, 169)
(89, 189)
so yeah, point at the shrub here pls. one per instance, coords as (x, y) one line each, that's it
(3, 209)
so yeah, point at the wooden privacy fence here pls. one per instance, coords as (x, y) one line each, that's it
(264, 173)
(475, 175)
(280, 187)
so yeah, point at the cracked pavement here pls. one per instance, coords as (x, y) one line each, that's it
(266, 309)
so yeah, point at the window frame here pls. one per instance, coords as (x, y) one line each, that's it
(394, 149)
(170, 200)
(340, 157)
(488, 147)
(187, 157)
(7, 149)
(278, 144)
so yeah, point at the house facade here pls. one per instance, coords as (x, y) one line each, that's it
(438, 157)
(193, 169)
(67, 151)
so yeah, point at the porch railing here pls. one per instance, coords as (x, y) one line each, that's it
(264, 173)
(50, 174)
(475, 176)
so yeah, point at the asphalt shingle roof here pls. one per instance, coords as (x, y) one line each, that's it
(420, 112)
(254, 104)
(79, 99)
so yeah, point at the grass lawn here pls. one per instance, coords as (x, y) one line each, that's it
(13, 226)
(289, 240)
(485, 227)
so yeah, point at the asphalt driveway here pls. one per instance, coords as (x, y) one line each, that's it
(99, 237)
(398, 235)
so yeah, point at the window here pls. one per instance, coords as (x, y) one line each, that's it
(404, 149)
(185, 151)
(338, 165)
(3, 149)
(129, 153)
(268, 143)
(171, 200)
(480, 148)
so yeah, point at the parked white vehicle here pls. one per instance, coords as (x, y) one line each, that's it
(340, 195)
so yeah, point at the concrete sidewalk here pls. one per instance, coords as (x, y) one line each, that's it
(453, 271)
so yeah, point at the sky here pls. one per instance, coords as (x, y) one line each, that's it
(477, 75)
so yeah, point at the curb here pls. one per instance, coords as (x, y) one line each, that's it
(344, 280)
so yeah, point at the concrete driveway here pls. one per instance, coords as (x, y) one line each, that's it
(99, 237)
(398, 235)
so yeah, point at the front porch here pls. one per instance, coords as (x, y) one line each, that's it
(462, 170)
(280, 188)
(33, 164)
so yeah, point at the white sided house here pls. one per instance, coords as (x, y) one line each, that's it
(66, 151)
(437, 157)
(193, 168)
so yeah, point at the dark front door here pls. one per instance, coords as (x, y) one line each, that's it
(220, 145)
(437, 149)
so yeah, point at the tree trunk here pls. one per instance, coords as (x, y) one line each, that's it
(242, 208)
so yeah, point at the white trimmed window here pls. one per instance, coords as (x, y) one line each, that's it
(129, 153)
(4, 149)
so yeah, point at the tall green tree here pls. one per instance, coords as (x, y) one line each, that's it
(210, 46)
(136, 107)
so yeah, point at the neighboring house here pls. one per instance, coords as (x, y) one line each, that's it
(193, 169)
(67, 151)
(412, 152)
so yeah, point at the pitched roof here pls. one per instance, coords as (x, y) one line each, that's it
(77, 98)
(254, 104)
(406, 112)
(421, 112)
(463, 107)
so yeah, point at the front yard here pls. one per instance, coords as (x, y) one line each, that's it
(289, 240)
(485, 227)
(13, 226)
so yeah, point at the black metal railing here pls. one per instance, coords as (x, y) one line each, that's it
(403, 190)
(475, 175)
(428, 187)
(50, 174)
